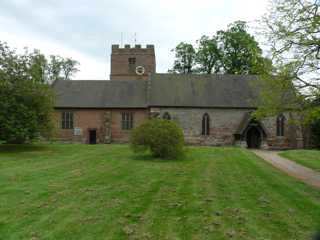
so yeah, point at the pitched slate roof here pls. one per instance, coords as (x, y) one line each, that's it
(100, 94)
(195, 90)
(166, 90)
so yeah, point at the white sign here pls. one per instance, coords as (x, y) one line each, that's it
(77, 131)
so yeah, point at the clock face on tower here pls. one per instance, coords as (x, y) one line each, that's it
(140, 70)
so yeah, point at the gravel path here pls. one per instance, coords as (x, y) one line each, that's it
(298, 171)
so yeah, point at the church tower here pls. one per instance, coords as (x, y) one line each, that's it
(132, 63)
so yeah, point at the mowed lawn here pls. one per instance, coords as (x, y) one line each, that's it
(107, 192)
(308, 158)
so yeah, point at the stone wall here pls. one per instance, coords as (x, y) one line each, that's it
(292, 133)
(223, 125)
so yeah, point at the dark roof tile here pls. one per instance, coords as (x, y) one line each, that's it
(100, 94)
(195, 90)
(167, 90)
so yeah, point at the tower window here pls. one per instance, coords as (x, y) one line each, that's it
(206, 124)
(132, 61)
(280, 125)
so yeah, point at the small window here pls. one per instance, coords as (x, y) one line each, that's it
(206, 124)
(280, 125)
(132, 61)
(166, 116)
(67, 120)
(127, 121)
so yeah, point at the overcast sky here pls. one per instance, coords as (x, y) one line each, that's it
(84, 30)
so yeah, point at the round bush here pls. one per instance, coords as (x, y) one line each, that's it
(164, 138)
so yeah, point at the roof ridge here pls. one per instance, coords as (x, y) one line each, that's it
(174, 90)
(206, 74)
(82, 80)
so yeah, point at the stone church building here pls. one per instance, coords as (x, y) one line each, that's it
(211, 109)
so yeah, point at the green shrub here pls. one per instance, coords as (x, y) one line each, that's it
(163, 138)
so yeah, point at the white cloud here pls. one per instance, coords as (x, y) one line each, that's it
(86, 31)
(90, 68)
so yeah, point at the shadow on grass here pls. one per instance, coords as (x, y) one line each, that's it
(17, 148)
(148, 157)
(317, 236)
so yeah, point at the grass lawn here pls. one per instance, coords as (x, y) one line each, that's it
(308, 158)
(107, 192)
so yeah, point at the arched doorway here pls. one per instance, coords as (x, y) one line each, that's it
(253, 137)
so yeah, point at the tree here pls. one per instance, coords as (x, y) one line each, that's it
(277, 94)
(25, 110)
(69, 68)
(54, 68)
(208, 55)
(60, 68)
(233, 51)
(241, 53)
(292, 29)
(315, 124)
(38, 65)
(26, 98)
(185, 58)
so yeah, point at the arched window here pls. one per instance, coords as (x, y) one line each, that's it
(206, 124)
(280, 125)
(166, 116)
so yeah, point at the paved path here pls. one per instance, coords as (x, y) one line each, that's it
(305, 174)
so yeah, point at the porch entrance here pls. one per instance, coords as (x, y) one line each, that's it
(253, 137)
